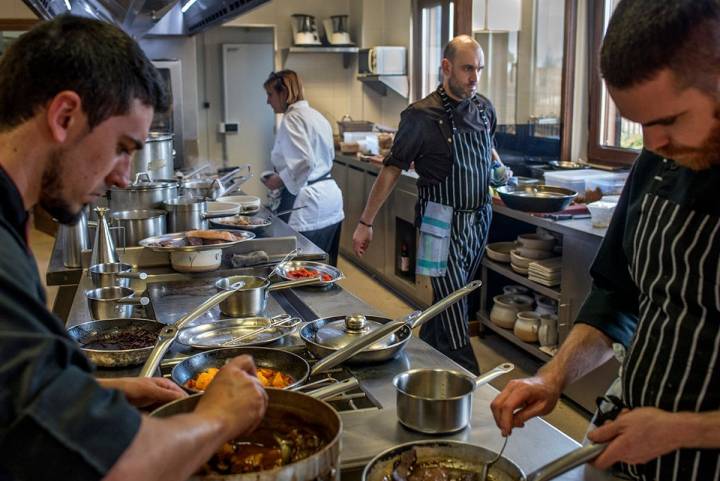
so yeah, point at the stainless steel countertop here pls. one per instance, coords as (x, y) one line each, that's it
(366, 433)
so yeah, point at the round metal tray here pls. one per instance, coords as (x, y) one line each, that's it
(536, 198)
(215, 334)
(150, 242)
(334, 272)
(224, 222)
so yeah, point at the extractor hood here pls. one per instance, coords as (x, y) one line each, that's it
(150, 17)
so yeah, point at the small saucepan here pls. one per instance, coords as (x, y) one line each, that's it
(113, 302)
(113, 274)
(435, 401)
(251, 299)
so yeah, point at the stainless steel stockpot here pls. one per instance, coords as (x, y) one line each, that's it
(113, 302)
(143, 193)
(113, 274)
(186, 213)
(438, 401)
(156, 157)
(140, 224)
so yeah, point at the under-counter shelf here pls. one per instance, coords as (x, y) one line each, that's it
(520, 279)
(510, 336)
(346, 51)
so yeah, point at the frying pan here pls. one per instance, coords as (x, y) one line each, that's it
(459, 455)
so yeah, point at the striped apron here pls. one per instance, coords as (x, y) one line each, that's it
(466, 189)
(672, 363)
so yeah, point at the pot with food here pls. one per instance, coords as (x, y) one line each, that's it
(298, 439)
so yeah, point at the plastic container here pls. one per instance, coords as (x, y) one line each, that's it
(573, 179)
(609, 184)
(601, 213)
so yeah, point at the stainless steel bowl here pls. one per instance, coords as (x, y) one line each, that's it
(113, 302)
(536, 198)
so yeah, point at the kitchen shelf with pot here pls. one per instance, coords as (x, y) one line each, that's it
(507, 334)
(520, 279)
(345, 51)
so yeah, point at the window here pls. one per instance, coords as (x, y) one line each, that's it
(613, 139)
(434, 19)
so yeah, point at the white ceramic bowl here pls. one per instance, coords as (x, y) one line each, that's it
(500, 251)
(601, 213)
(536, 254)
(536, 241)
(222, 208)
(247, 202)
(519, 260)
(198, 261)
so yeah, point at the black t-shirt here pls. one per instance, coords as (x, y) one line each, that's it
(56, 422)
(424, 133)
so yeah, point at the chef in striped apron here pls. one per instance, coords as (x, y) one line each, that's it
(656, 291)
(449, 137)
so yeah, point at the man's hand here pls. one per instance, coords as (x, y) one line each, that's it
(638, 436)
(273, 182)
(235, 397)
(523, 399)
(361, 239)
(145, 391)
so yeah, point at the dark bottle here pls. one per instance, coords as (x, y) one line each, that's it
(404, 259)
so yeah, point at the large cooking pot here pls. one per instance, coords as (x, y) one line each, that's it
(188, 213)
(382, 338)
(250, 299)
(156, 157)
(143, 193)
(115, 334)
(140, 224)
(284, 407)
(435, 401)
(455, 455)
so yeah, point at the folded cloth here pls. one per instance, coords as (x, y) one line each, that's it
(434, 246)
(250, 259)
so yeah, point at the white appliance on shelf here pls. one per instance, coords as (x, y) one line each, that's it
(337, 31)
(304, 30)
(382, 60)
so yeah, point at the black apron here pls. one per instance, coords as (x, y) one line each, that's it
(672, 363)
(287, 200)
(466, 189)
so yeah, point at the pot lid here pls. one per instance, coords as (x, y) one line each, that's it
(339, 333)
(143, 181)
(159, 136)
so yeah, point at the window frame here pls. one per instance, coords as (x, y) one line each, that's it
(418, 6)
(598, 153)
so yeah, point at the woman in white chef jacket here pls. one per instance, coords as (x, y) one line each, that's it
(302, 158)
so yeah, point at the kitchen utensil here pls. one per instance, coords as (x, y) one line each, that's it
(548, 332)
(336, 30)
(113, 274)
(103, 246)
(113, 302)
(185, 213)
(248, 203)
(215, 188)
(537, 241)
(288, 267)
(157, 157)
(288, 257)
(304, 29)
(536, 198)
(169, 333)
(283, 405)
(505, 309)
(251, 299)
(153, 243)
(110, 330)
(197, 261)
(453, 455)
(486, 467)
(74, 239)
(283, 212)
(534, 254)
(282, 320)
(256, 224)
(140, 224)
(566, 165)
(215, 334)
(500, 251)
(601, 213)
(437, 401)
(217, 208)
(327, 336)
(143, 193)
(518, 260)
(527, 325)
(515, 289)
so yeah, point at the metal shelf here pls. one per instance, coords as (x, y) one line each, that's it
(346, 51)
(510, 336)
(382, 83)
(520, 279)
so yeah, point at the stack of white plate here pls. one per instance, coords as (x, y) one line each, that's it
(546, 272)
(215, 208)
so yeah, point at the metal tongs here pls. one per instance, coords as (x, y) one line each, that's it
(282, 320)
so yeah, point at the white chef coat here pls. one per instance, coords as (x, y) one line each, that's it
(303, 152)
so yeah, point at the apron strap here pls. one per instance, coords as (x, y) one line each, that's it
(326, 176)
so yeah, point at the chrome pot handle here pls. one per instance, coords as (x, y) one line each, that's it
(567, 462)
(494, 373)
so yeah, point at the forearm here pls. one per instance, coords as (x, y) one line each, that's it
(585, 349)
(384, 184)
(169, 449)
(699, 430)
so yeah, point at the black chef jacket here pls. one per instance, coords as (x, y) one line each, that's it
(657, 291)
(424, 131)
(56, 422)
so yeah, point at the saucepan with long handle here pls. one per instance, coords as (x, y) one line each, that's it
(373, 338)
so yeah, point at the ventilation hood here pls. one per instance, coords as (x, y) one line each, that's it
(149, 17)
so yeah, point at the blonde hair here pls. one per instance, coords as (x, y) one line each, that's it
(286, 81)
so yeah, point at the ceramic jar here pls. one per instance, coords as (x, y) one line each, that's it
(527, 326)
(515, 289)
(544, 305)
(548, 332)
(506, 307)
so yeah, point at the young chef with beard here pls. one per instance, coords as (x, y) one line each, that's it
(77, 97)
(656, 290)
